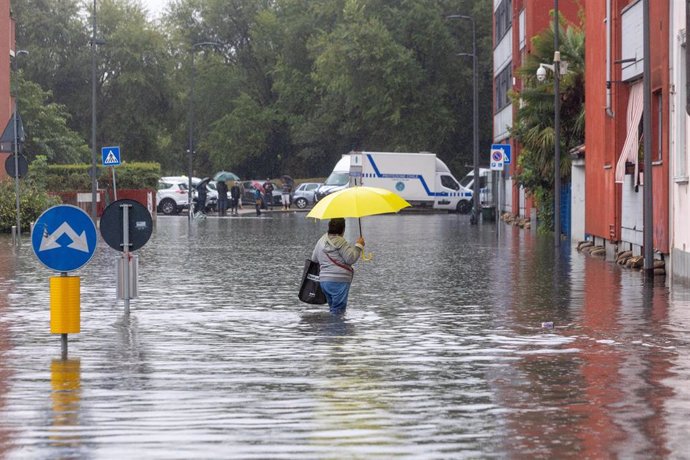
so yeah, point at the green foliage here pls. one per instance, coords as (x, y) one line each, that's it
(292, 85)
(46, 124)
(132, 176)
(61, 178)
(32, 202)
(533, 126)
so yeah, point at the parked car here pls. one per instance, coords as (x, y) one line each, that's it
(305, 194)
(172, 194)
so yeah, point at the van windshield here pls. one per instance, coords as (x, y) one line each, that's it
(465, 181)
(338, 178)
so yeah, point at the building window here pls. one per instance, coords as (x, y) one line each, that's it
(682, 123)
(658, 99)
(503, 84)
(504, 18)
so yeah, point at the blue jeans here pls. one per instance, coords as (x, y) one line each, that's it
(336, 295)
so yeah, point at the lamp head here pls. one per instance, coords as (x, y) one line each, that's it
(541, 73)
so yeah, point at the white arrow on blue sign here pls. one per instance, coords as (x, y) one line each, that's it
(64, 238)
(110, 156)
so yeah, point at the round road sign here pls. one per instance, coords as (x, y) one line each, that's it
(140, 224)
(64, 238)
(22, 165)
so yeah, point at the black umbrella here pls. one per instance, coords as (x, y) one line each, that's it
(287, 179)
(203, 182)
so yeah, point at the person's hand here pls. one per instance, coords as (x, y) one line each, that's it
(360, 240)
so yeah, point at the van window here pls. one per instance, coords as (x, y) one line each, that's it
(465, 181)
(338, 178)
(449, 182)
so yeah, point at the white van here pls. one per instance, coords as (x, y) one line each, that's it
(420, 178)
(485, 197)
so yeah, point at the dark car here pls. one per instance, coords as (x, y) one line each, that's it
(248, 192)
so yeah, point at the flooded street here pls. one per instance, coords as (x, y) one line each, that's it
(441, 354)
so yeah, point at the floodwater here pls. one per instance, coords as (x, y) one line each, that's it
(441, 354)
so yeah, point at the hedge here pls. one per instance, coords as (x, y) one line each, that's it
(32, 202)
(75, 177)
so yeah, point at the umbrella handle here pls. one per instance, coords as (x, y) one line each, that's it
(365, 256)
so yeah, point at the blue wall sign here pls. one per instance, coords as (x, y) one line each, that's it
(505, 148)
(64, 238)
(110, 156)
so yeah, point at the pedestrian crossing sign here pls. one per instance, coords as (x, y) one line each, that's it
(110, 156)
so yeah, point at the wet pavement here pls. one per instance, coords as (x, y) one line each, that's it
(441, 354)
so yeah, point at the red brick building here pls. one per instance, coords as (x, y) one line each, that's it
(6, 51)
(515, 23)
(613, 72)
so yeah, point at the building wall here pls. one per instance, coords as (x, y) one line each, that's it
(577, 200)
(660, 30)
(6, 45)
(601, 137)
(529, 18)
(605, 130)
(679, 264)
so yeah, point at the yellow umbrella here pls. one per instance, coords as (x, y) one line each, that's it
(358, 201)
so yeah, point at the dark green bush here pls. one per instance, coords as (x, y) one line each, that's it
(75, 177)
(32, 202)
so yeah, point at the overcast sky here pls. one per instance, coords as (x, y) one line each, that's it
(155, 7)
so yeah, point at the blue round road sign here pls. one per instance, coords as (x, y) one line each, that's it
(64, 238)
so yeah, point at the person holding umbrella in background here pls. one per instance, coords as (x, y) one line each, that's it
(234, 198)
(336, 257)
(222, 189)
(268, 193)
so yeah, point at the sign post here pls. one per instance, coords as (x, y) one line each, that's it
(110, 156)
(64, 239)
(126, 225)
(500, 156)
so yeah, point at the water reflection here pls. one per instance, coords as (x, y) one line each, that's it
(441, 354)
(65, 383)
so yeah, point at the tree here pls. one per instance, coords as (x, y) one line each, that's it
(134, 99)
(533, 125)
(46, 126)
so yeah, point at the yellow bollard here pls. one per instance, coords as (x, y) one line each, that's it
(64, 305)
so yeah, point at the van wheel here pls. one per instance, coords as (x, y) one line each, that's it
(464, 207)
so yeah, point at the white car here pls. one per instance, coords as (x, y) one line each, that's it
(172, 194)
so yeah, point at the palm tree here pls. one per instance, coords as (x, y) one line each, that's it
(533, 126)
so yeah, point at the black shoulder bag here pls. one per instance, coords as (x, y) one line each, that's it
(310, 289)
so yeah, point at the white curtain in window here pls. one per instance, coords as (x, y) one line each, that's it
(632, 142)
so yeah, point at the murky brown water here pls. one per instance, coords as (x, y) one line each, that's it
(441, 353)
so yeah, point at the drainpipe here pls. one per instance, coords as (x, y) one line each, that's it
(609, 112)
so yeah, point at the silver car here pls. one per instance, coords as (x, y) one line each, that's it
(304, 195)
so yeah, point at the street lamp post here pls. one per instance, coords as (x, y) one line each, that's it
(94, 42)
(557, 128)
(93, 116)
(16, 143)
(190, 142)
(648, 200)
(475, 118)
